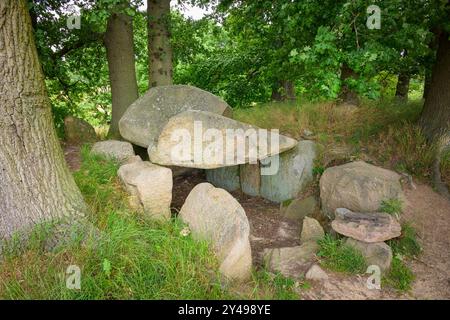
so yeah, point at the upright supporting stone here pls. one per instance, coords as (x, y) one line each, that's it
(293, 174)
(149, 186)
(214, 215)
(226, 178)
(250, 175)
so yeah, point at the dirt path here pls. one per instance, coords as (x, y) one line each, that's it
(429, 213)
(426, 210)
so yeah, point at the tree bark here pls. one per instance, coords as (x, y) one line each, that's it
(121, 65)
(35, 183)
(435, 117)
(159, 48)
(347, 95)
(402, 89)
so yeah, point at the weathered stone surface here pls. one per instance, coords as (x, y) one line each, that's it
(293, 174)
(291, 262)
(214, 215)
(316, 273)
(357, 186)
(149, 186)
(142, 122)
(297, 209)
(201, 139)
(113, 149)
(133, 159)
(226, 178)
(78, 131)
(250, 175)
(378, 253)
(311, 230)
(367, 227)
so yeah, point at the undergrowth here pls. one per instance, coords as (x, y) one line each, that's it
(134, 258)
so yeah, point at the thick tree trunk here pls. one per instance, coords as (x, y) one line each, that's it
(159, 48)
(401, 92)
(347, 95)
(35, 183)
(435, 117)
(121, 64)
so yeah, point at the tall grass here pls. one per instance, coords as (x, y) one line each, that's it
(383, 131)
(134, 258)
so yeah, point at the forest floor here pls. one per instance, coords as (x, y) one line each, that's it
(427, 211)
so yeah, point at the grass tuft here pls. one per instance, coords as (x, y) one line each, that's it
(392, 206)
(339, 257)
(400, 277)
(407, 244)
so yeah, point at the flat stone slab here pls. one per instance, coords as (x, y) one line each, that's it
(206, 140)
(143, 120)
(366, 227)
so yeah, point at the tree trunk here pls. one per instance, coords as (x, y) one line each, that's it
(35, 183)
(159, 48)
(347, 95)
(121, 64)
(435, 117)
(276, 92)
(402, 89)
(283, 90)
(426, 84)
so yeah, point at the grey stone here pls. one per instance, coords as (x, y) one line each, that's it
(78, 131)
(144, 119)
(297, 209)
(149, 186)
(311, 230)
(226, 178)
(358, 186)
(250, 176)
(113, 149)
(293, 174)
(214, 215)
(316, 273)
(367, 227)
(378, 253)
(183, 142)
(292, 262)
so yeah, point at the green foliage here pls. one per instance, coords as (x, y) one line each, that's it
(318, 170)
(407, 244)
(339, 257)
(400, 276)
(391, 206)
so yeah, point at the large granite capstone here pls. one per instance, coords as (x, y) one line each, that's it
(206, 140)
(144, 118)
